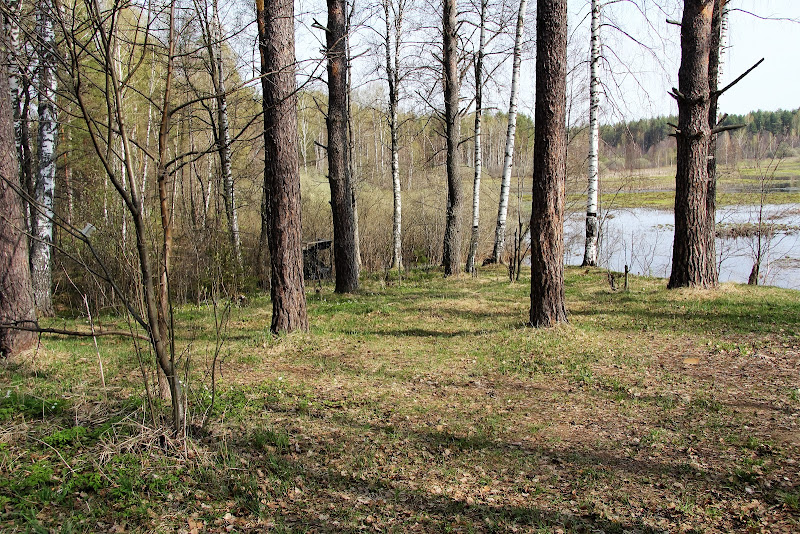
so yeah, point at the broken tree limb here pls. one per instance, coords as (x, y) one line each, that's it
(737, 80)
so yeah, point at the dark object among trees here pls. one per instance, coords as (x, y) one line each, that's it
(549, 166)
(16, 294)
(451, 253)
(281, 166)
(315, 267)
(345, 255)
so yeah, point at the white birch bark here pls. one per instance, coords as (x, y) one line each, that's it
(476, 189)
(224, 136)
(213, 36)
(394, 26)
(42, 230)
(14, 74)
(148, 131)
(592, 224)
(508, 159)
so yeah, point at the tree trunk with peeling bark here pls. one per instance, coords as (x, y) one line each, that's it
(281, 165)
(549, 166)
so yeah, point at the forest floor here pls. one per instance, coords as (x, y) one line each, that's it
(425, 405)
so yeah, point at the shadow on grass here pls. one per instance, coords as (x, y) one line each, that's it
(387, 504)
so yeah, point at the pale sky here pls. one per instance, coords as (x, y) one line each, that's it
(775, 84)
(638, 75)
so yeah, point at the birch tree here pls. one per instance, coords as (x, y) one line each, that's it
(592, 224)
(476, 188)
(42, 214)
(508, 158)
(213, 37)
(393, 17)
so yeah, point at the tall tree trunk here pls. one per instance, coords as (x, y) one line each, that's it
(476, 186)
(592, 223)
(717, 24)
(394, 25)
(352, 167)
(508, 158)
(16, 295)
(690, 259)
(344, 249)
(281, 166)
(549, 166)
(19, 84)
(223, 135)
(451, 251)
(42, 227)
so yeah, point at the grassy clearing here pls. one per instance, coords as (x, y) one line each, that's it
(427, 405)
(739, 184)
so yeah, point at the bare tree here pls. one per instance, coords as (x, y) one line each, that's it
(508, 158)
(213, 39)
(16, 295)
(393, 16)
(90, 41)
(451, 253)
(476, 189)
(549, 166)
(282, 168)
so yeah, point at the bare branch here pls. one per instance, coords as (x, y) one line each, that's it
(737, 80)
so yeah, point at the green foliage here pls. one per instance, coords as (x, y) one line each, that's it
(60, 438)
(271, 439)
(15, 403)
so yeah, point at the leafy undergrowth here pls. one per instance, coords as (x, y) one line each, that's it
(427, 405)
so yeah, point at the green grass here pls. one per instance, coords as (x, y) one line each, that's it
(425, 404)
(738, 184)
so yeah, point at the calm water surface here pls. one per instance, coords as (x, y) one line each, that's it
(642, 238)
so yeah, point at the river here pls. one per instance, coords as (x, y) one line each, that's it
(642, 239)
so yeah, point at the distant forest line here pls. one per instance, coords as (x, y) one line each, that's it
(647, 142)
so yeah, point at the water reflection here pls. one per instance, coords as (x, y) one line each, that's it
(642, 239)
